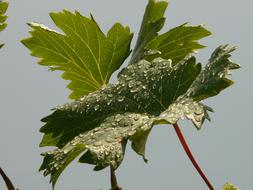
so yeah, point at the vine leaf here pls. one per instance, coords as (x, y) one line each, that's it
(147, 93)
(3, 17)
(163, 83)
(214, 74)
(84, 53)
(176, 44)
(229, 186)
(152, 23)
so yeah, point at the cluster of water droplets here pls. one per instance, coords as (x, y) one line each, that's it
(185, 108)
(217, 68)
(138, 91)
(105, 144)
(138, 83)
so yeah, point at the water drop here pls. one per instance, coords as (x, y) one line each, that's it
(96, 107)
(109, 140)
(65, 151)
(73, 143)
(120, 98)
(198, 111)
(56, 165)
(97, 143)
(109, 102)
(131, 83)
(132, 132)
(221, 74)
(152, 52)
(198, 119)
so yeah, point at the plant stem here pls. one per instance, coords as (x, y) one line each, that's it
(7, 181)
(114, 183)
(190, 156)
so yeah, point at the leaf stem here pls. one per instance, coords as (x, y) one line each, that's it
(114, 183)
(7, 181)
(190, 156)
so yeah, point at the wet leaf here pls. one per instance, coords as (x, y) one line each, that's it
(162, 84)
(213, 78)
(83, 52)
(147, 93)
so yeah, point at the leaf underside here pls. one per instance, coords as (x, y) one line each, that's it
(162, 84)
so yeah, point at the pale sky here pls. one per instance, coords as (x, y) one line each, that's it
(223, 147)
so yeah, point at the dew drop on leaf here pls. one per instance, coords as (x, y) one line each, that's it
(96, 107)
(120, 98)
(98, 143)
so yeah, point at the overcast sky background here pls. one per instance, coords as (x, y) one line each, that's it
(223, 147)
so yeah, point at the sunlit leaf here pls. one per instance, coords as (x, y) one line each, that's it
(83, 52)
(176, 44)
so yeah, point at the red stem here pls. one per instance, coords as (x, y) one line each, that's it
(189, 154)
(6, 180)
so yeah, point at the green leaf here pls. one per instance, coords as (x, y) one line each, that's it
(56, 161)
(3, 17)
(229, 186)
(176, 44)
(147, 93)
(213, 78)
(152, 23)
(83, 52)
(142, 88)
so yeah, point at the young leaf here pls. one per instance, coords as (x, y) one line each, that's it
(152, 23)
(84, 53)
(229, 186)
(176, 44)
(3, 9)
(146, 94)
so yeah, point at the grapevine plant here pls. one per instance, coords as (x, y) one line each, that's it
(162, 84)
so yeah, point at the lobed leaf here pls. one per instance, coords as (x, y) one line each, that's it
(84, 53)
(147, 93)
(176, 44)
(162, 84)
(213, 78)
(152, 23)
(142, 88)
